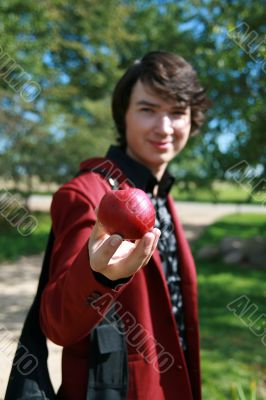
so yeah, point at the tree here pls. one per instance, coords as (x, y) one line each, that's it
(75, 52)
(68, 50)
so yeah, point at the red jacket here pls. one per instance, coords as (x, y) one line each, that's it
(67, 317)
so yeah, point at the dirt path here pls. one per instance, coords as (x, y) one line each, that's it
(18, 282)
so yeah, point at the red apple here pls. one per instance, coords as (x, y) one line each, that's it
(129, 213)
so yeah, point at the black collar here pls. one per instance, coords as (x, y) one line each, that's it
(140, 175)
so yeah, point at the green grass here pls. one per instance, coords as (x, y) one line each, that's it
(222, 192)
(14, 245)
(231, 353)
(241, 225)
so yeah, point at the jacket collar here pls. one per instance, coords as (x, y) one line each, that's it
(139, 174)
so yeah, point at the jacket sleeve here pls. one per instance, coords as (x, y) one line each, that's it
(66, 315)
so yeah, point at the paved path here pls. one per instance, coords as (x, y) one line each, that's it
(18, 284)
(194, 216)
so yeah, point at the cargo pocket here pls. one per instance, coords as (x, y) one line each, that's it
(108, 372)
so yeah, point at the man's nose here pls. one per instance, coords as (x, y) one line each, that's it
(164, 125)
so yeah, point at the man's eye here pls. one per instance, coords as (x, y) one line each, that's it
(178, 112)
(147, 110)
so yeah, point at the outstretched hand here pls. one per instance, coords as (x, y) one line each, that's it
(116, 258)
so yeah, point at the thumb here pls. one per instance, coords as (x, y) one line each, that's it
(101, 257)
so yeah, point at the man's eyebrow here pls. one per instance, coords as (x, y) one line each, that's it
(147, 103)
(179, 108)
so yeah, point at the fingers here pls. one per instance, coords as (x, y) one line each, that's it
(157, 234)
(147, 247)
(140, 255)
(127, 260)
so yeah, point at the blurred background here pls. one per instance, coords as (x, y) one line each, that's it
(59, 61)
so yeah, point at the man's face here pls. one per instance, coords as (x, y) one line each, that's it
(156, 129)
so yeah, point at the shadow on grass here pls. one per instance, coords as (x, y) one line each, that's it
(240, 225)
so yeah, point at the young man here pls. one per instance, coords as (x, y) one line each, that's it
(157, 105)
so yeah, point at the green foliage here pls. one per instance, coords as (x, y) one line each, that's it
(72, 59)
(76, 50)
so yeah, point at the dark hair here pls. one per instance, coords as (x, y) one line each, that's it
(170, 76)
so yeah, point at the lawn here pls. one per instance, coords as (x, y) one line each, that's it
(221, 192)
(14, 245)
(231, 353)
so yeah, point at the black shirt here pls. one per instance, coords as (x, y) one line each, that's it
(142, 178)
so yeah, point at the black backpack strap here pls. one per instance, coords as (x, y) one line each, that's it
(29, 378)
